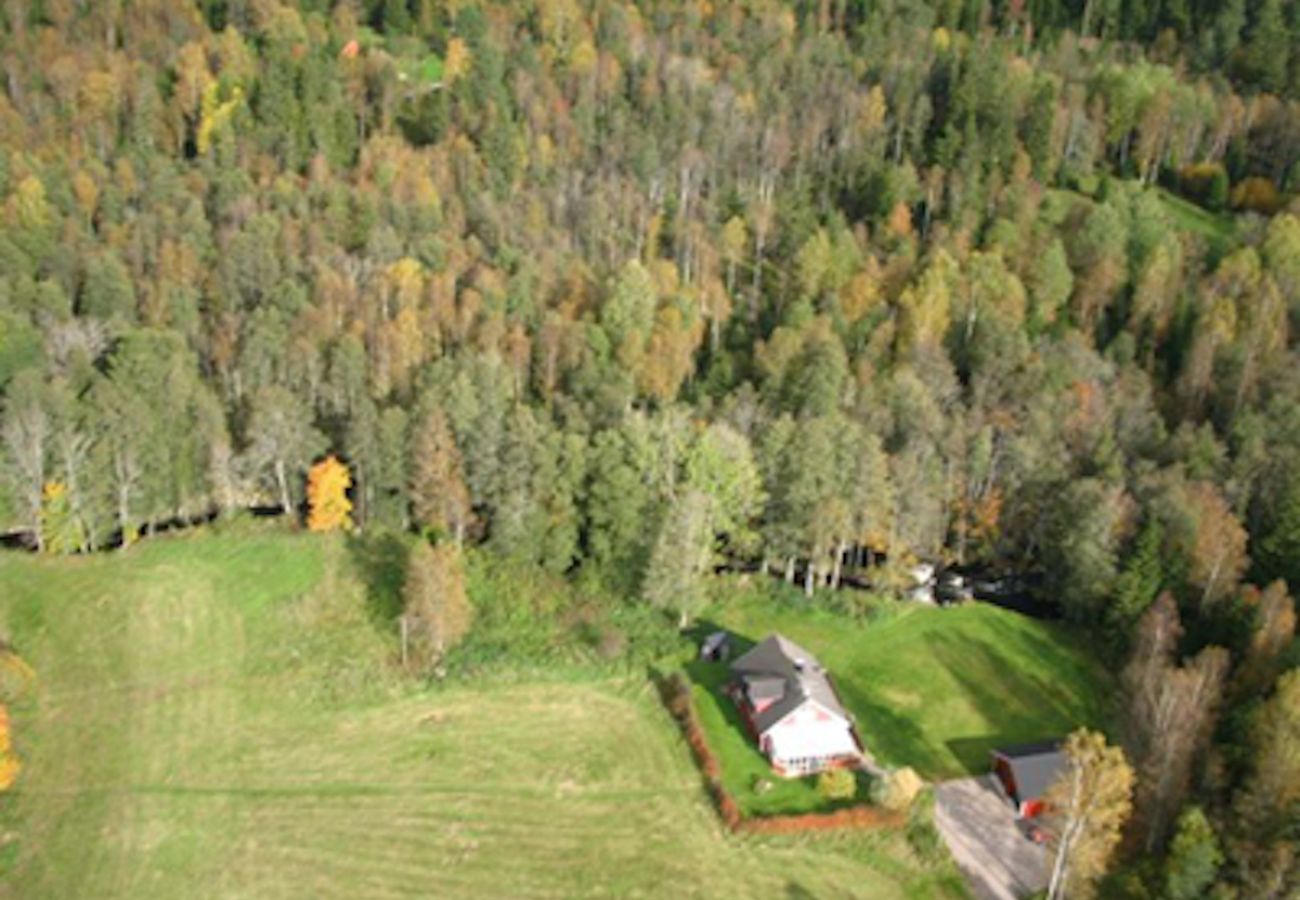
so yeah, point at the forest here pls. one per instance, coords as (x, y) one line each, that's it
(631, 290)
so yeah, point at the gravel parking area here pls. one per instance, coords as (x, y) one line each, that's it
(980, 828)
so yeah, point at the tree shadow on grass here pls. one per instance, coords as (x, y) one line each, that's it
(1017, 702)
(714, 676)
(974, 752)
(380, 559)
(888, 735)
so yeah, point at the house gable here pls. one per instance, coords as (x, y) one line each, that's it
(808, 712)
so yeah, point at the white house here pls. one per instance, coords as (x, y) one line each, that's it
(792, 709)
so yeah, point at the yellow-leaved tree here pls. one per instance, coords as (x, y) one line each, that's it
(329, 508)
(16, 677)
(1088, 806)
(9, 764)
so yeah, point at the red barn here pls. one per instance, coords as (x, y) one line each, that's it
(1027, 771)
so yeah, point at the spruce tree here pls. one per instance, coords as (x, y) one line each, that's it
(1278, 553)
(1139, 582)
(1194, 857)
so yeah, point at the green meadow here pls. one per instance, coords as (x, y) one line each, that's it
(217, 715)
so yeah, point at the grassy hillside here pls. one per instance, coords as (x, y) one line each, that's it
(933, 688)
(214, 717)
(1218, 230)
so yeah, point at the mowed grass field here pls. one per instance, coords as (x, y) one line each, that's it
(216, 716)
(931, 688)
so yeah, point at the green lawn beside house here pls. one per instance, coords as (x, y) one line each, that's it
(931, 688)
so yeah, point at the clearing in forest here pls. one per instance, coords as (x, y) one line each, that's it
(931, 688)
(215, 717)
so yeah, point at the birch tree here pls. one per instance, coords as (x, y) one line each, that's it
(681, 556)
(1170, 716)
(27, 432)
(284, 441)
(1090, 802)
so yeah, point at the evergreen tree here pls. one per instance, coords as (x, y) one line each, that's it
(1139, 582)
(1194, 857)
(1269, 46)
(1277, 554)
(1264, 808)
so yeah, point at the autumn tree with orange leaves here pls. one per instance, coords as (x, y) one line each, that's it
(9, 764)
(327, 496)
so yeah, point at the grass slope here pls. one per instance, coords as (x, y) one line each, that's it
(933, 688)
(214, 718)
(1219, 230)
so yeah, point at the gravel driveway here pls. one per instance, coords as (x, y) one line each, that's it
(979, 826)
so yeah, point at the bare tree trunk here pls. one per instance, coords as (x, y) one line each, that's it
(1087, 19)
(26, 432)
(75, 446)
(1061, 866)
(124, 512)
(282, 480)
(1210, 582)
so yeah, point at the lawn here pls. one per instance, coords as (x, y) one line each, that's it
(215, 716)
(930, 688)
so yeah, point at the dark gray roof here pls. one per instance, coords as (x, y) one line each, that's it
(779, 659)
(715, 640)
(1034, 748)
(1034, 766)
(763, 687)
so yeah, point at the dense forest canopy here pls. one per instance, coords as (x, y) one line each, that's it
(630, 288)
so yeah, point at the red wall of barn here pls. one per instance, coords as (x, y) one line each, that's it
(1003, 770)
